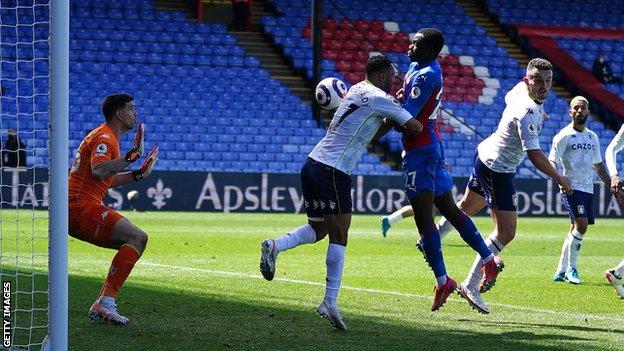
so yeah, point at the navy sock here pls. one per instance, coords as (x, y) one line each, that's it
(433, 250)
(471, 235)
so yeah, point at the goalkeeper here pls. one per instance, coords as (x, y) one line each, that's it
(99, 165)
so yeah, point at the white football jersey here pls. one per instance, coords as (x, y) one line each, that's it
(614, 147)
(354, 125)
(517, 132)
(577, 152)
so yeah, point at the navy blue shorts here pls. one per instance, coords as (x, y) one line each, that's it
(326, 190)
(579, 204)
(424, 169)
(496, 188)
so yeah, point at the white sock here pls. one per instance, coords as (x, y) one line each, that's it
(563, 260)
(302, 235)
(444, 227)
(334, 262)
(396, 216)
(575, 247)
(619, 270)
(474, 276)
(107, 300)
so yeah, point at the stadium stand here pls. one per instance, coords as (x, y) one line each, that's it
(477, 71)
(206, 103)
(554, 36)
(176, 69)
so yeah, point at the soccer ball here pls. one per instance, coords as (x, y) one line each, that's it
(132, 195)
(330, 92)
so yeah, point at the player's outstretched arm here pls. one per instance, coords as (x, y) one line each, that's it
(143, 172)
(601, 170)
(105, 169)
(540, 161)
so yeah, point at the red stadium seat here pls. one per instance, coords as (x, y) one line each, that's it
(345, 24)
(329, 54)
(477, 82)
(377, 26)
(329, 23)
(362, 25)
(452, 70)
(466, 71)
(343, 65)
(351, 45)
(473, 99)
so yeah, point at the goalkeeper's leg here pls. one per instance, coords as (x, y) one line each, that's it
(131, 242)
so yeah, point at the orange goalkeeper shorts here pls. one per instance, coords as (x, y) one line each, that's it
(92, 222)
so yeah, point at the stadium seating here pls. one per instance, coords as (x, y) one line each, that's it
(176, 70)
(572, 13)
(206, 102)
(477, 72)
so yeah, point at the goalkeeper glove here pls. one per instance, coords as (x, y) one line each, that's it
(137, 149)
(148, 164)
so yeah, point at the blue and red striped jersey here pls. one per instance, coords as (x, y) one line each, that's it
(422, 86)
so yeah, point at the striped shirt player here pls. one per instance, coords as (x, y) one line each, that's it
(615, 275)
(326, 181)
(423, 162)
(426, 179)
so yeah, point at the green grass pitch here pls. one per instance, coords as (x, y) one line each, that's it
(197, 287)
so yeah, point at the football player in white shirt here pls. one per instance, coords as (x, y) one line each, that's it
(576, 149)
(366, 112)
(615, 275)
(495, 166)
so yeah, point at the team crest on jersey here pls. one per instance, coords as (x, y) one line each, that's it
(532, 129)
(101, 149)
(580, 209)
(415, 92)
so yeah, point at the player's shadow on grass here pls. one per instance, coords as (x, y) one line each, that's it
(170, 318)
(539, 326)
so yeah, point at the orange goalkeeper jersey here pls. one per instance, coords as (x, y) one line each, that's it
(100, 145)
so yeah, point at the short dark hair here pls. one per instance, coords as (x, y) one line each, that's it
(433, 39)
(540, 63)
(378, 63)
(113, 103)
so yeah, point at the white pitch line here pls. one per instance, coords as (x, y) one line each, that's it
(383, 292)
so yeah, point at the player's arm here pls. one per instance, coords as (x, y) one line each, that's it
(602, 173)
(615, 146)
(542, 163)
(143, 172)
(398, 116)
(103, 167)
(529, 137)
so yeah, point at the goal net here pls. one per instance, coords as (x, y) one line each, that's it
(27, 134)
